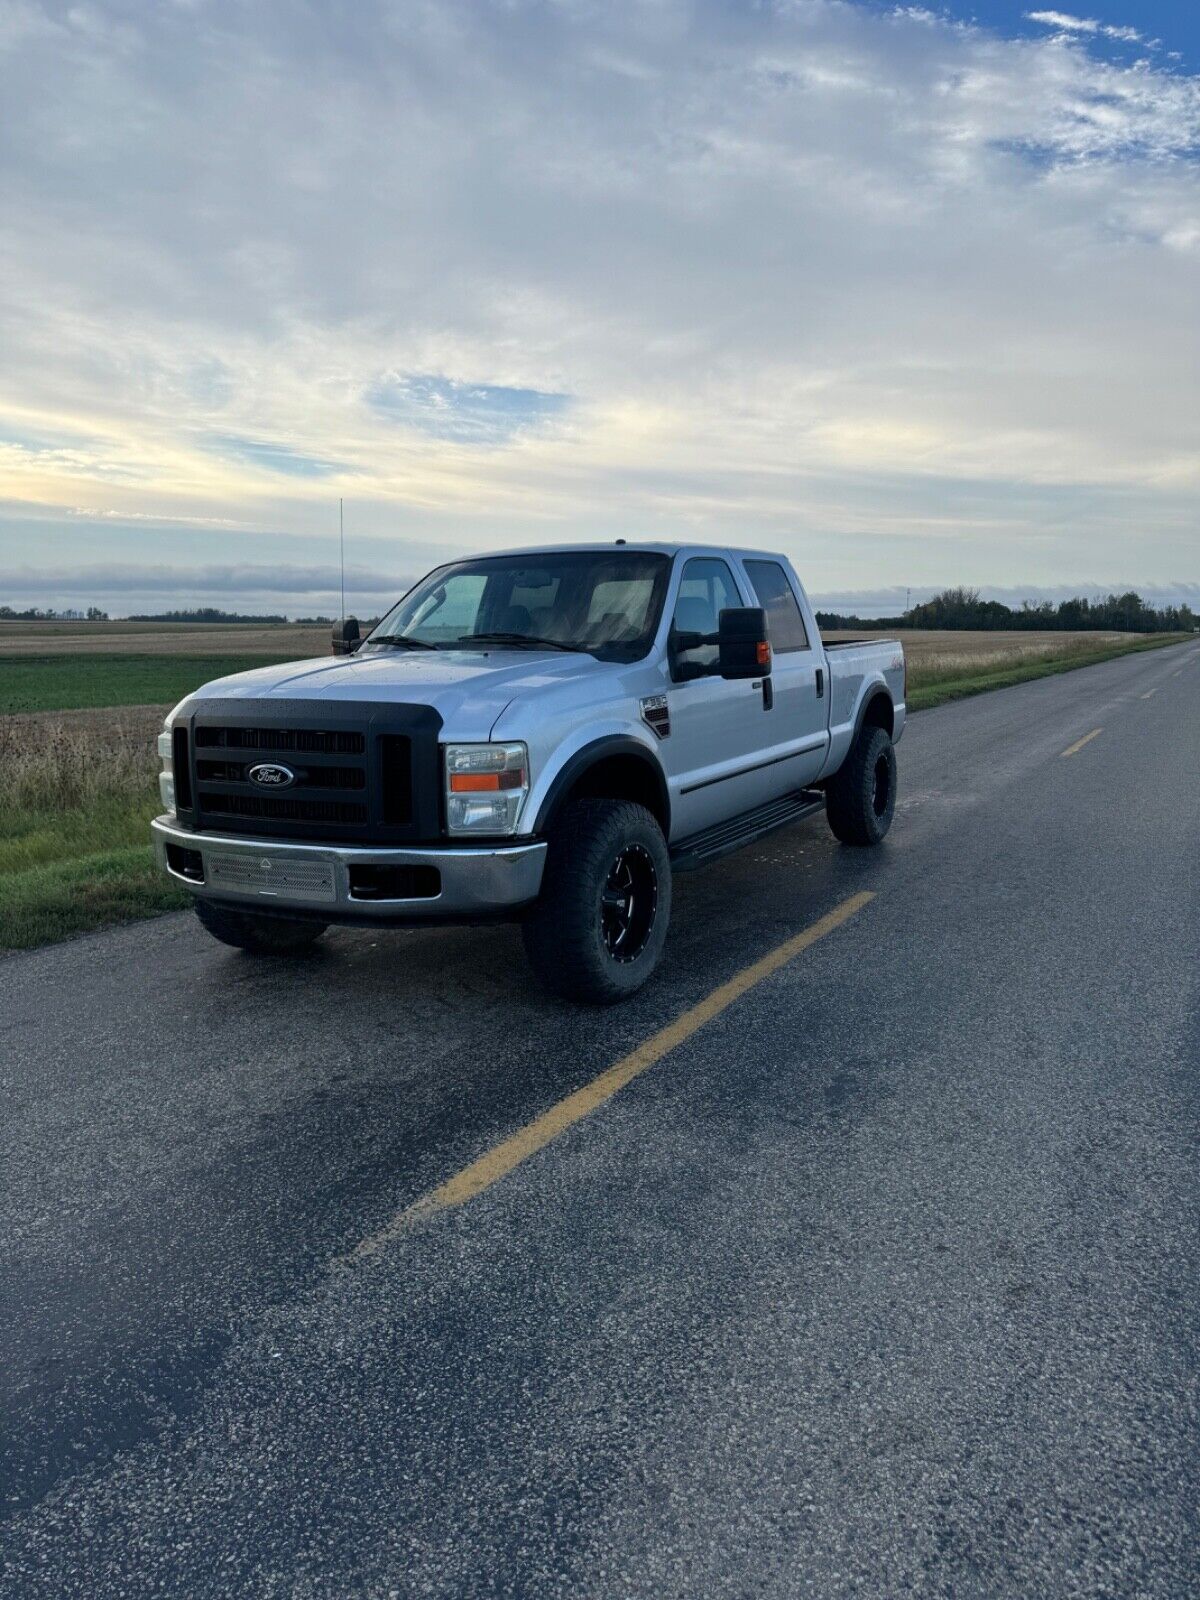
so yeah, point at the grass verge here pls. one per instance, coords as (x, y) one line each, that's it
(77, 792)
(933, 685)
(43, 904)
(64, 683)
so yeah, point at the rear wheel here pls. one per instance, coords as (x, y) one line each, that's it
(860, 800)
(264, 936)
(597, 931)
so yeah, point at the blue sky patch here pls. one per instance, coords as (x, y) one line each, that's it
(1118, 30)
(274, 457)
(468, 413)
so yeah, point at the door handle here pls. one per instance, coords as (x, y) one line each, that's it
(820, 683)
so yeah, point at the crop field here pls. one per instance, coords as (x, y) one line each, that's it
(78, 782)
(69, 683)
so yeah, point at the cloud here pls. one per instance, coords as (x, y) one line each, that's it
(1069, 24)
(875, 287)
(122, 587)
(1059, 19)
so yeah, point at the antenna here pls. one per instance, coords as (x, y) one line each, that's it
(342, 550)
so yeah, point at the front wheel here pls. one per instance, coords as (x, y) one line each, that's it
(597, 931)
(262, 936)
(860, 800)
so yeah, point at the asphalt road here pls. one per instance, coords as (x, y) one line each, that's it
(882, 1283)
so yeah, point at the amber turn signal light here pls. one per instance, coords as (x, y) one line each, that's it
(484, 782)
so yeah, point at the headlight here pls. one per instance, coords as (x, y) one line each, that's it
(166, 778)
(486, 785)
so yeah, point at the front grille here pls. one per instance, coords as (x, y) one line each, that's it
(359, 772)
(284, 741)
(395, 771)
(341, 813)
(182, 767)
(308, 777)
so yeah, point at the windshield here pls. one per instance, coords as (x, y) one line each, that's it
(607, 603)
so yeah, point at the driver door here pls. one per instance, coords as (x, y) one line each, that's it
(718, 728)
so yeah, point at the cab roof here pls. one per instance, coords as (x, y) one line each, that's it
(635, 546)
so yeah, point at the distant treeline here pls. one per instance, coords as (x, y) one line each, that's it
(963, 608)
(204, 614)
(36, 614)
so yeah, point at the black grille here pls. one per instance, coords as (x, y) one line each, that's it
(361, 772)
(308, 777)
(340, 813)
(328, 795)
(395, 771)
(181, 765)
(280, 741)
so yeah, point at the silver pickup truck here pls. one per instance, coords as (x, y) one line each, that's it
(548, 735)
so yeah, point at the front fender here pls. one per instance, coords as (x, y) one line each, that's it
(575, 754)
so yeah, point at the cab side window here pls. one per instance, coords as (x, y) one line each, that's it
(785, 625)
(705, 590)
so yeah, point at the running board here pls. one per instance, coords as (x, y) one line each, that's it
(724, 837)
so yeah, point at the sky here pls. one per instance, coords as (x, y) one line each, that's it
(907, 292)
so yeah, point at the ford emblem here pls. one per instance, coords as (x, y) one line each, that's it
(272, 775)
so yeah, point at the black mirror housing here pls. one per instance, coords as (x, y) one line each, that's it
(742, 641)
(346, 638)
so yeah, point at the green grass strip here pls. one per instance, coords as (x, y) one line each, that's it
(922, 697)
(47, 903)
(78, 682)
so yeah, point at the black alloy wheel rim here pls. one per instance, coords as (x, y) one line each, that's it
(883, 786)
(629, 903)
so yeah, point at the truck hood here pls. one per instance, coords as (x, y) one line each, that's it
(468, 688)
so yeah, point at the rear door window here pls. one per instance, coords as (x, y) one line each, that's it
(785, 625)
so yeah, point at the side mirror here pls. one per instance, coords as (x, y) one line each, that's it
(742, 641)
(345, 637)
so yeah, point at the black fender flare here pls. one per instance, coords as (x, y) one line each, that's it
(601, 750)
(878, 691)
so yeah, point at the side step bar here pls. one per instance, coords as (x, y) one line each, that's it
(724, 837)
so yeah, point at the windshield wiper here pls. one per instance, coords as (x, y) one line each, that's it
(528, 640)
(398, 641)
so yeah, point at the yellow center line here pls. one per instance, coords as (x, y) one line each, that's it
(501, 1160)
(1075, 748)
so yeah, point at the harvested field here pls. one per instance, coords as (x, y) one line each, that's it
(278, 640)
(936, 648)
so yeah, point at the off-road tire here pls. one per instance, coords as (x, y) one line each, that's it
(860, 800)
(569, 934)
(262, 936)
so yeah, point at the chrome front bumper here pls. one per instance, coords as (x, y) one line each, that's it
(315, 878)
